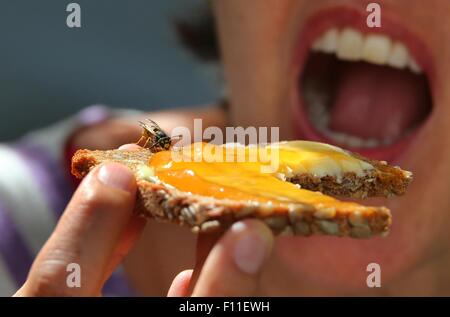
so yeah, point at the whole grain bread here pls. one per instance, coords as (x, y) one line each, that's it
(383, 180)
(163, 202)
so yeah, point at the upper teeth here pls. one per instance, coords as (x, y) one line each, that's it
(352, 45)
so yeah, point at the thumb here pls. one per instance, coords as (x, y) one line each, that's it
(87, 234)
(234, 265)
(180, 284)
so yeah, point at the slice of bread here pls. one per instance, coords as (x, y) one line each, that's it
(161, 201)
(383, 180)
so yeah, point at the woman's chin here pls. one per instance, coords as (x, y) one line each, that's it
(340, 265)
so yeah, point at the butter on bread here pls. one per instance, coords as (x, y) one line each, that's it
(208, 196)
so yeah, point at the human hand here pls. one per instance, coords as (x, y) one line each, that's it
(227, 265)
(95, 231)
(98, 228)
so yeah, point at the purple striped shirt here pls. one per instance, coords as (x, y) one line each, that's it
(51, 187)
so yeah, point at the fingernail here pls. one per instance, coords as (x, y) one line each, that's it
(116, 175)
(129, 147)
(252, 247)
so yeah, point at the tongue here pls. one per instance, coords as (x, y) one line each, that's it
(377, 102)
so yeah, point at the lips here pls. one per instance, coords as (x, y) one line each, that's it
(364, 89)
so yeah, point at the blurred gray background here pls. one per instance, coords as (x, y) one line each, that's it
(125, 55)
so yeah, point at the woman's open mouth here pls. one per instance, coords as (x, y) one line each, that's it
(364, 89)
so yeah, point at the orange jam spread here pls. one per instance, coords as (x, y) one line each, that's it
(191, 170)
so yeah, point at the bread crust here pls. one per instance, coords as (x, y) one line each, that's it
(163, 202)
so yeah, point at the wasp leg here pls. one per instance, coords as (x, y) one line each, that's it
(146, 143)
(154, 144)
(140, 140)
(157, 143)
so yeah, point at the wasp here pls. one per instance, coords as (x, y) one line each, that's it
(154, 137)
